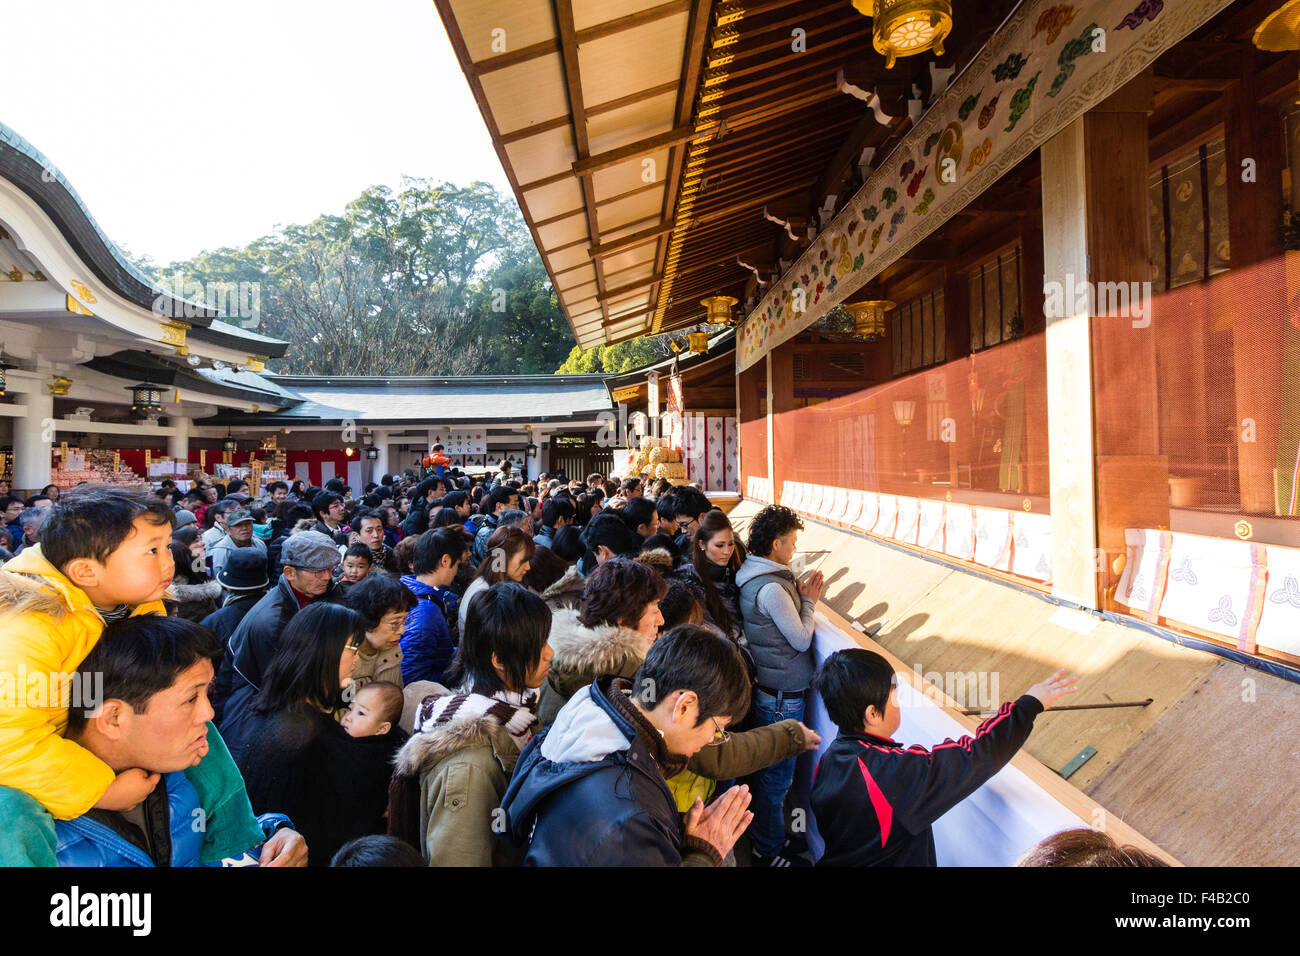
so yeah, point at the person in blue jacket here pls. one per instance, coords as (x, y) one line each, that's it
(153, 713)
(427, 642)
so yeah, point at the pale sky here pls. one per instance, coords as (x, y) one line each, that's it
(194, 124)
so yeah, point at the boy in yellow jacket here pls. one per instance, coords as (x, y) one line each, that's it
(103, 556)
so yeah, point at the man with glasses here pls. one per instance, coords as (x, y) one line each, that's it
(691, 503)
(328, 508)
(308, 561)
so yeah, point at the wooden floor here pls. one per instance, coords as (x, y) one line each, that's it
(1217, 780)
(948, 622)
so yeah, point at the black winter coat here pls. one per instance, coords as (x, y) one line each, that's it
(253, 642)
(875, 801)
(224, 621)
(613, 811)
(332, 786)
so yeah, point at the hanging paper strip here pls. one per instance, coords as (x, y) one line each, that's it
(1141, 587)
(1031, 552)
(1048, 63)
(993, 538)
(715, 475)
(930, 530)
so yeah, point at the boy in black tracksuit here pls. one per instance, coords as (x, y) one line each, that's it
(875, 800)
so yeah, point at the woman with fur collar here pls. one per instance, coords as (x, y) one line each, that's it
(452, 773)
(608, 632)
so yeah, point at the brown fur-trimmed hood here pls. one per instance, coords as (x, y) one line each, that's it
(425, 750)
(657, 558)
(567, 590)
(587, 652)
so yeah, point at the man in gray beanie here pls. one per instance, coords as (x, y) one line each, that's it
(307, 563)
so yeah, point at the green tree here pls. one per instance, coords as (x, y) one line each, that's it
(620, 357)
(430, 279)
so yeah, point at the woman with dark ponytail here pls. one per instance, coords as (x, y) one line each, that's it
(710, 573)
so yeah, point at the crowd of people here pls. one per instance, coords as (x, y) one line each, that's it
(450, 670)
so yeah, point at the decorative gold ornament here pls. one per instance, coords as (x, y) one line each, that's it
(83, 293)
(699, 342)
(1027, 505)
(907, 27)
(75, 307)
(1243, 530)
(869, 318)
(59, 385)
(173, 333)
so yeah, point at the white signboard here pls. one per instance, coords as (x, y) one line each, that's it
(466, 442)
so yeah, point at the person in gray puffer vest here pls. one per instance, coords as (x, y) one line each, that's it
(778, 616)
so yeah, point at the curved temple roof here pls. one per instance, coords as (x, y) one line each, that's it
(31, 171)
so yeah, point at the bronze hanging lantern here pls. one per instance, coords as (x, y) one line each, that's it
(719, 309)
(699, 342)
(869, 318)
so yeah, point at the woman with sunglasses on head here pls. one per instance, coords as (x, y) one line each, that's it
(295, 757)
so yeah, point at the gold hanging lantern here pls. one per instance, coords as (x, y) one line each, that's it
(869, 318)
(719, 307)
(907, 27)
(1280, 30)
(699, 342)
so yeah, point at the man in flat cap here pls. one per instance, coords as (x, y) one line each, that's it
(307, 561)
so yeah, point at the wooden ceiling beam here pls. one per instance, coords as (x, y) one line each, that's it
(697, 36)
(815, 34)
(633, 98)
(766, 114)
(627, 242)
(651, 144)
(610, 27)
(594, 109)
(631, 287)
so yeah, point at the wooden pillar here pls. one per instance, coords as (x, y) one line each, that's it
(1037, 470)
(780, 403)
(748, 410)
(1259, 295)
(1096, 230)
